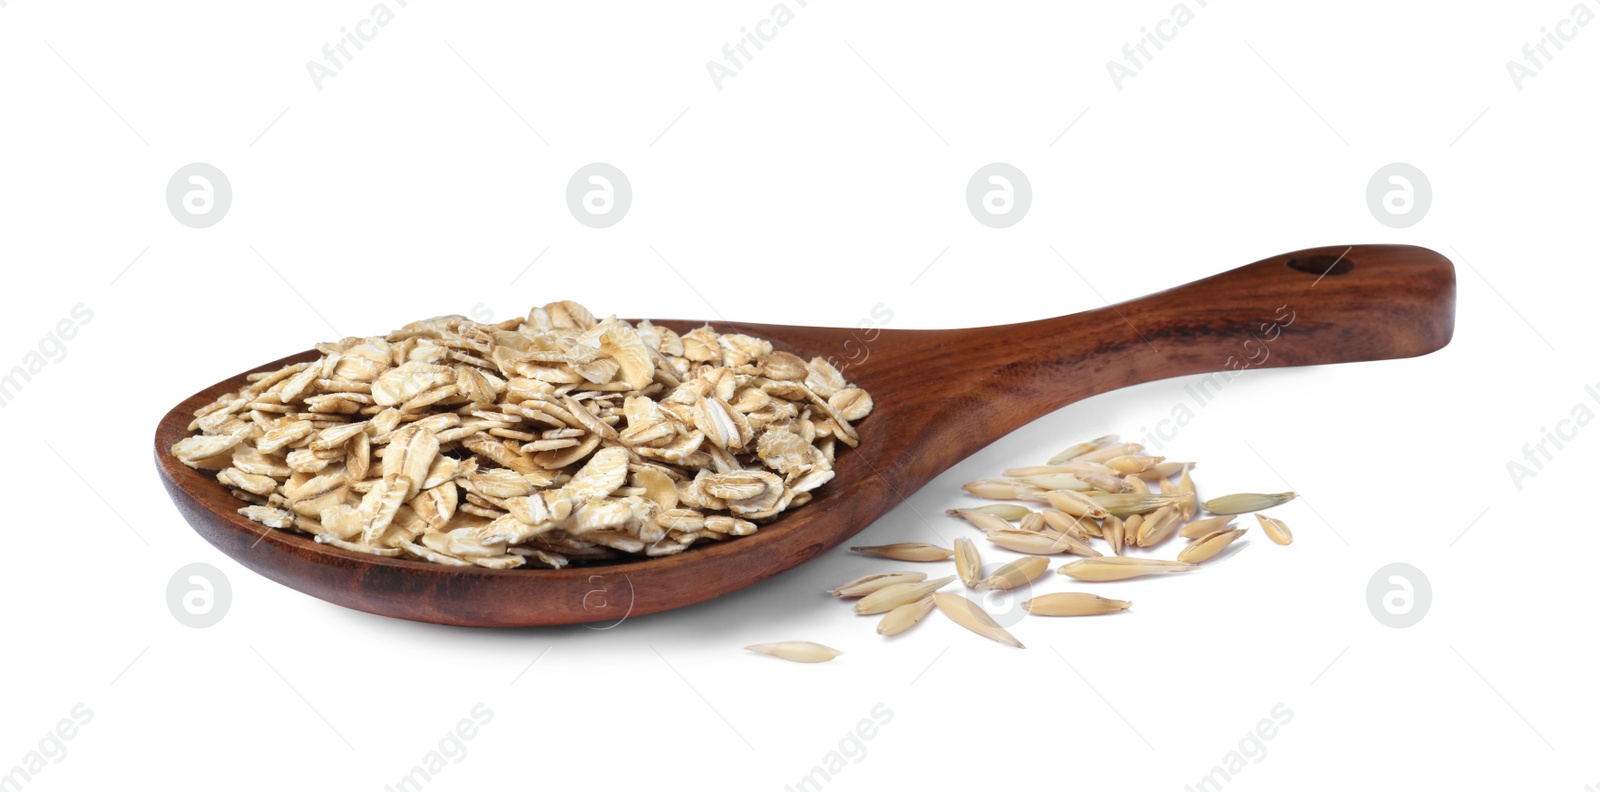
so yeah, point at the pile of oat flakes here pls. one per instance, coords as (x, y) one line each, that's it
(553, 439)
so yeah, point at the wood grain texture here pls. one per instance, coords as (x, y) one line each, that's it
(940, 396)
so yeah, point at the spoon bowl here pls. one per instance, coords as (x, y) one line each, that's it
(939, 396)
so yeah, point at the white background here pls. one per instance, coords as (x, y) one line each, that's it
(818, 183)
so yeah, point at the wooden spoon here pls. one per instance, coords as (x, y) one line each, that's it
(940, 396)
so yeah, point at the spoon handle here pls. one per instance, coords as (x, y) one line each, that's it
(1323, 305)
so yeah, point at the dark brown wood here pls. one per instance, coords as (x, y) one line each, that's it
(940, 396)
